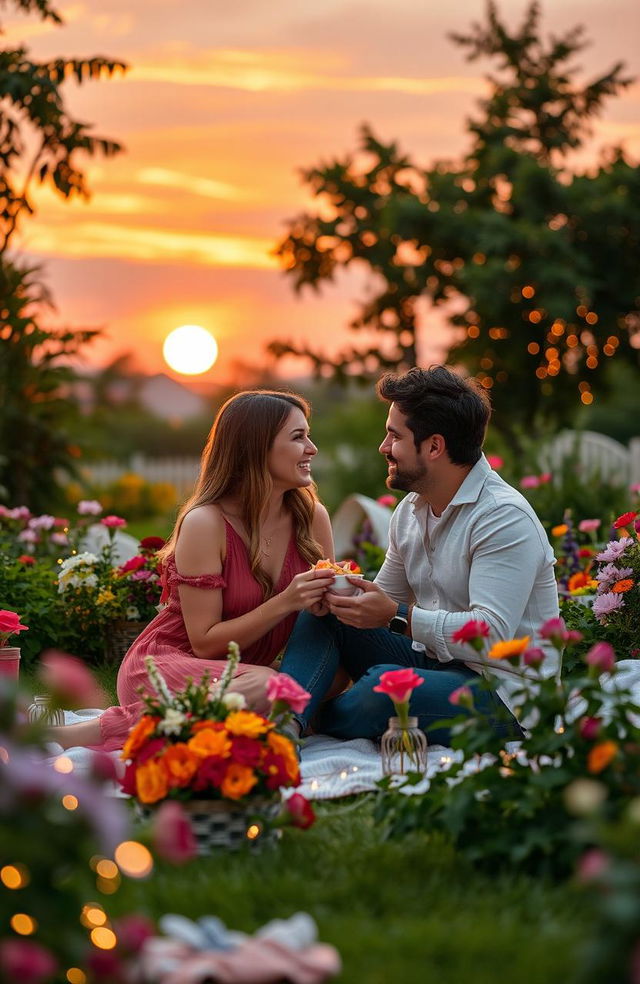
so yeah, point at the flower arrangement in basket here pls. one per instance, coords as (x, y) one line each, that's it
(225, 763)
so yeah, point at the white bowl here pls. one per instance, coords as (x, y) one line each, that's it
(341, 585)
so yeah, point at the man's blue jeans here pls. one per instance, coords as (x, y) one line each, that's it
(319, 646)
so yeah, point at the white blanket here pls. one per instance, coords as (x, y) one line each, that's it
(332, 768)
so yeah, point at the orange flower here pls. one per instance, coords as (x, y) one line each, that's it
(247, 723)
(209, 742)
(283, 746)
(621, 586)
(559, 530)
(579, 580)
(180, 763)
(601, 755)
(138, 736)
(238, 780)
(151, 781)
(512, 647)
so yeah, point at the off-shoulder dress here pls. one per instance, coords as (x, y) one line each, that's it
(166, 639)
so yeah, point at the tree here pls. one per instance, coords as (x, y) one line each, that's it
(40, 143)
(535, 266)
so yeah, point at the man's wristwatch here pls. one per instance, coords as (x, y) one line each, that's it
(400, 621)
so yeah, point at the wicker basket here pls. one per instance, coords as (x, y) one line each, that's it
(119, 637)
(228, 826)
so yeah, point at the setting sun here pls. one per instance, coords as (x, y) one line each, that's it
(190, 350)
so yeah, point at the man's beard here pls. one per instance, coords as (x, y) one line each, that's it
(407, 480)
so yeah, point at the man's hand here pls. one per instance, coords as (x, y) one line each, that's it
(370, 610)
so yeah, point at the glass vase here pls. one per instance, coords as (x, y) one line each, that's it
(41, 710)
(403, 748)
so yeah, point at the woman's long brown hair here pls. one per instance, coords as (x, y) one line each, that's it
(234, 463)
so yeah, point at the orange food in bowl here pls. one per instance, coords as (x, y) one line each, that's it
(340, 567)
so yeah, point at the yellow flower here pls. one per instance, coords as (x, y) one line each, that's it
(247, 723)
(559, 530)
(512, 647)
(601, 755)
(151, 781)
(105, 596)
(238, 780)
(209, 742)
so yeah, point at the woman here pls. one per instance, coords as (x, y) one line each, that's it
(238, 565)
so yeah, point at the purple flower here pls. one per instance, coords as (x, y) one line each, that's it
(610, 574)
(614, 549)
(606, 603)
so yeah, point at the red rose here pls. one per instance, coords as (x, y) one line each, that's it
(246, 751)
(473, 632)
(152, 543)
(134, 564)
(300, 811)
(210, 773)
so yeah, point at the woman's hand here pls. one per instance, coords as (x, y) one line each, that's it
(307, 590)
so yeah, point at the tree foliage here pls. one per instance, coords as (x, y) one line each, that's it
(40, 143)
(535, 266)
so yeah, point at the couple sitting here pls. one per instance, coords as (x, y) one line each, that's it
(239, 566)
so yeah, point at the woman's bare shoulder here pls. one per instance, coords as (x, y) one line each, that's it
(201, 541)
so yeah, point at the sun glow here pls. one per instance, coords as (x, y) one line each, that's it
(190, 350)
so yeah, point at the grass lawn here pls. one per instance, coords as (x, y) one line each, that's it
(403, 910)
(397, 911)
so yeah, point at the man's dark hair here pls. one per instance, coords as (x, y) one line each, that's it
(439, 401)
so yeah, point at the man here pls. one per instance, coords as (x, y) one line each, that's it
(462, 545)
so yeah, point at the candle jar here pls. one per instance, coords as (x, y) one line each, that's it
(403, 748)
(41, 710)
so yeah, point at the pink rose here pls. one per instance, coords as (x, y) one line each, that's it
(601, 657)
(589, 525)
(301, 813)
(69, 681)
(133, 930)
(555, 630)
(533, 656)
(172, 835)
(399, 684)
(592, 865)
(529, 482)
(89, 507)
(389, 501)
(589, 728)
(26, 961)
(133, 564)
(10, 624)
(282, 688)
(113, 522)
(473, 632)
(462, 697)
(495, 461)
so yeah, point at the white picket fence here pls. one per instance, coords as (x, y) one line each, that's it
(598, 454)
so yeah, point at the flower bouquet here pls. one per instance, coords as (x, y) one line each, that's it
(223, 762)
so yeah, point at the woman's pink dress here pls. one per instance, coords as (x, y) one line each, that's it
(166, 639)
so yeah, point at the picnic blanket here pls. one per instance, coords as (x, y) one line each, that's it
(330, 768)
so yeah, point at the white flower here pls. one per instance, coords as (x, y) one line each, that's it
(234, 702)
(173, 722)
(132, 613)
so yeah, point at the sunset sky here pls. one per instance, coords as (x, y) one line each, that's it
(222, 104)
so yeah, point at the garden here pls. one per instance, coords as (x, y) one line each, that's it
(522, 854)
(207, 849)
